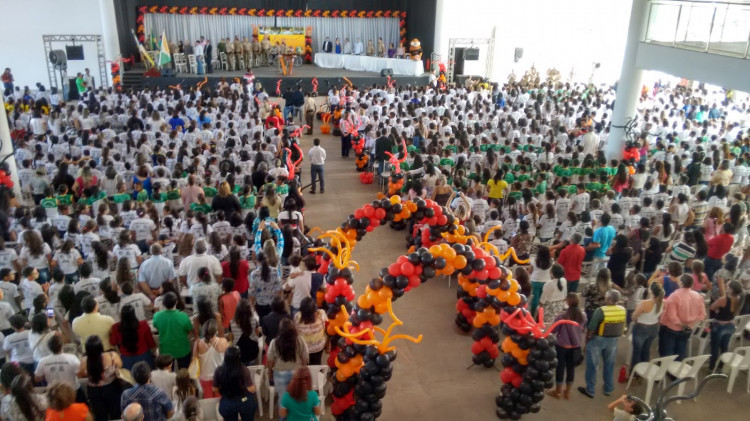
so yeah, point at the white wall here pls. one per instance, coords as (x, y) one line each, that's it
(24, 24)
(561, 34)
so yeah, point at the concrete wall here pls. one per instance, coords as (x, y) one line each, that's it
(22, 29)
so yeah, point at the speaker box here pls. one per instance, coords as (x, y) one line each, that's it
(458, 64)
(518, 54)
(58, 58)
(74, 52)
(471, 54)
(168, 72)
(386, 72)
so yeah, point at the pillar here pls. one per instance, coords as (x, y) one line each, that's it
(109, 34)
(6, 148)
(440, 43)
(629, 86)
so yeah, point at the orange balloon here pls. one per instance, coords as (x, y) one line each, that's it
(385, 293)
(449, 254)
(513, 300)
(395, 199)
(436, 251)
(459, 262)
(449, 269)
(513, 286)
(362, 301)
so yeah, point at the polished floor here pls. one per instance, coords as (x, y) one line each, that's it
(431, 380)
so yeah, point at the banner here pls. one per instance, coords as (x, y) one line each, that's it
(293, 37)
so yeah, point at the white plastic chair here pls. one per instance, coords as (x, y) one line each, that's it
(179, 63)
(193, 63)
(629, 351)
(700, 336)
(652, 371)
(740, 323)
(223, 60)
(260, 381)
(736, 361)
(319, 375)
(210, 409)
(689, 367)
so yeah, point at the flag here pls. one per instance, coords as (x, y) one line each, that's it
(141, 49)
(164, 56)
(154, 43)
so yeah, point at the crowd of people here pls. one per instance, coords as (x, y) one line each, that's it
(359, 49)
(180, 212)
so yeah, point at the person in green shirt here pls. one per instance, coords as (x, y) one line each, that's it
(49, 202)
(80, 84)
(63, 195)
(302, 404)
(174, 328)
(202, 205)
(139, 194)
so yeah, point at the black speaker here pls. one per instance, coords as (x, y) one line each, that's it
(471, 54)
(74, 52)
(458, 64)
(167, 72)
(518, 54)
(58, 58)
(386, 72)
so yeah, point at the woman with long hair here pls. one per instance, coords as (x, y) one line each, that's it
(311, 324)
(40, 335)
(100, 259)
(62, 404)
(68, 259)
(210, 348)
(595, 292)
(245, 330)
(133, 338)
(497, 186)
(37, 254)
(553, 294)
(167, 287)
(233, 381)
(103, 390)
(225, 200)
(22, 404)
(300, 402)
(237, 268)
(204, 311)
(570, 339)
(540, 275)
(287, 352)
(619, 257)
(620, 180)
(724, 310)
(265, 284)
(646, 323)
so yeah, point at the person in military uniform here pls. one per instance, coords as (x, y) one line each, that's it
(370, 48)
(605, 328)
(381, 48)
(256, 50)
(230, 54)
(222, 48)
(237, 52)
(265, 48)
(247, 52)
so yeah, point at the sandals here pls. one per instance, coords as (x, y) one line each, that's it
(553, 393)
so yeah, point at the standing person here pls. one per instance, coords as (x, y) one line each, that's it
(724, 310)
(553, 294)
(80, 84)
(7, 79)
(605, 327)
(271, 321)
(265, 285)
(237, 269)
(300, 402)
(60, 367)
(311, 324)
(174, 328)
(245, 330)
(327, 48)
(571, 259)
(646, 324)
(62, 404)
(568, 346)
(154, 401)
(156, 270)
(317, 157)
(133, 338)
(17, 344)
(233, 381)
(309, 110)
(683, 310)
(718, 247)
(540, 275)
(22, 404)
(603, 237)
(103, 390)
(285, 354)
(210, 349)
(209, 52)
(92, 323)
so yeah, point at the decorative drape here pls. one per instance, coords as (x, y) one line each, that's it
(213, 27)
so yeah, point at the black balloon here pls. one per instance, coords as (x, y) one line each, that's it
(402, 282)
(429, 272)
(440, 263)
(414, 258)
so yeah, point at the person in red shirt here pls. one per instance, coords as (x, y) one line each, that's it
(683, 310)
(133, 338)
(571, 259)
(237, 269)
(718, 247)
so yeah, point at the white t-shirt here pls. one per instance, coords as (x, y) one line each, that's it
(547, 226)
(68, 262)
(59, 367)
(7, 257)
(106, 308)
(138, 301)
(10, 291)
(142, 228)
(6, 310)
(17, 344)
(37, 262)
(30, 290)
(87, 284)
(300, 287)
(38, 344)
(130, 252)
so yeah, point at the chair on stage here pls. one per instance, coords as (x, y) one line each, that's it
(179, 63)
(223, 60)
(215, 62)
(241, 63)
(193, 63)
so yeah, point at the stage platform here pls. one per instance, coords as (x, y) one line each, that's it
(269, 78)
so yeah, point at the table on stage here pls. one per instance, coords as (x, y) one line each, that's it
(400, 66)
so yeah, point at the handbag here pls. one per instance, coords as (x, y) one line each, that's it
(577, 356)
(194, 369)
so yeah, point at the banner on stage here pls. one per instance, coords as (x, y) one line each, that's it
(294, 37)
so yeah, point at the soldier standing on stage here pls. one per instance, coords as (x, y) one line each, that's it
(247, 49)
(256, 50)
(237, 52)
(265, 47)
(230, 54)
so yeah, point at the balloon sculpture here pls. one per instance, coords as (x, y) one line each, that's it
(362, 363)
(358, 144)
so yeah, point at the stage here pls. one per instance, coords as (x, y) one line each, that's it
(269, 77)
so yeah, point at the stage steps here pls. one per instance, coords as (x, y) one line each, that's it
(132, 80)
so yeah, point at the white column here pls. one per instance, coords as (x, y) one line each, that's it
(109, 34)
(6, 148)
(629, 86)
(440, 43)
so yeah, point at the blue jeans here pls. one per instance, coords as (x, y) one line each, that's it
(573, 285)
(71, 278)
(44, 276)
(536, 295)
(711, 267)
(600, 348)
(244, 407)
(643, 337)
(281, 380)
(672, 342)
(721, 334)
(315, 172)
(288, 110)
(199, 65)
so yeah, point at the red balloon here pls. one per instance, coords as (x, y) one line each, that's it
(359, 213)
(442, 220)
(482, 275)
(369, 211)
(380, 213)
(402, 259)
(517, 381)
(489, 262)
(432, 221)
(494, 352)
(477, 348)
(494, 273)
(374, 222)
(394, 269)
(407, 269)
(417, 270)
(482, 291)
(415, 281)
(370, 228)
(508, 375)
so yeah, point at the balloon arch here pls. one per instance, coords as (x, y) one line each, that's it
(362, 354)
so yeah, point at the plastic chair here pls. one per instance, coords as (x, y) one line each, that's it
(689, 367)
(260, 376)
(629, 352)
(319, 375)
(652, 371)
(700, 336)
(179, 63)
(210, 409)
(223, 60)
(736, 361)
(193, 63)
(740, 324)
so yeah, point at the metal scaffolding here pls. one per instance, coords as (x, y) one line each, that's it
(101, 61)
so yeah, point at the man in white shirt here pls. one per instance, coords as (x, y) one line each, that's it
(188, 270)
(359, 48)
(144, 231)
(87, 283)
(317, 157)
(138, 300)
(30, 287)
(590, 143)
(17, 344)
(10, 290)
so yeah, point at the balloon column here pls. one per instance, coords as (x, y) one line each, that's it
(358, 144)
(362, 363)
